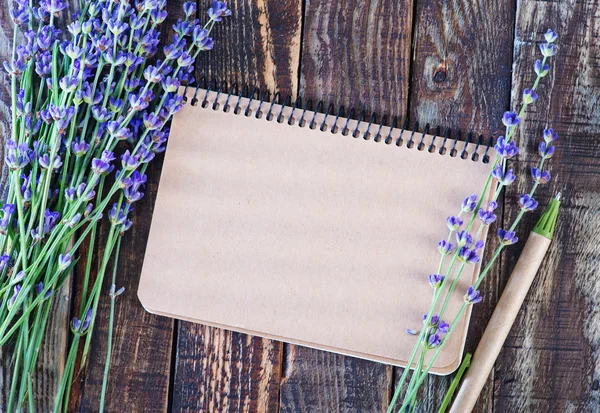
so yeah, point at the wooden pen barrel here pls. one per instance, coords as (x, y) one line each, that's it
(500, 323)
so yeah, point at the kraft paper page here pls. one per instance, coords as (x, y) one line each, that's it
(302, 235)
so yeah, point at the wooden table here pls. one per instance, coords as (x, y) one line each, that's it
(443, 63)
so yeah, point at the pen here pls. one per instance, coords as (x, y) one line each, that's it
(506, 310)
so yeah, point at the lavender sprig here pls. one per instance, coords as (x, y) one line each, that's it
(463, 253)
(90, 106)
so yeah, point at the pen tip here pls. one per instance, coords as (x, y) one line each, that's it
(557, 197)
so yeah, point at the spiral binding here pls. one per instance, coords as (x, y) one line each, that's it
(235, 95)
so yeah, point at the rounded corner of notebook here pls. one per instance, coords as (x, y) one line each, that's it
(145, 300)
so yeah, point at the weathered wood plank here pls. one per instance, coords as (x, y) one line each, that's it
(217, 370)
(258, 46)
(461, 77)
(550, 361)
(355, 54)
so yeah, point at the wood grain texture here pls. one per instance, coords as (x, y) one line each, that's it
(355, 54)
(461, 77)
(217, 370)
(221, 371)
(462, 64)
(550, 361)
(259, 45)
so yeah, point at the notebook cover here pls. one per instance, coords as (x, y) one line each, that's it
(311, 237)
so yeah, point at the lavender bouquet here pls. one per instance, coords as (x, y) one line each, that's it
(79, 98)
(464, 243)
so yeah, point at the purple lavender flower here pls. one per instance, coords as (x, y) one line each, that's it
(411, 332)
(152, 74)
(174, 105)
(434, 340)
(79, 327)
(15, 67)
(18, 277)
(506, 149)
(527, 202)
(539, 176)
(487, 216)
(70, 194)
(548, 49)
(151, 121)
(102, 43)
(435, 280)
(7, 211)
(74, 220)
(129, 161)
(468, 256)
(469, 204)
(4, 262)
(53, 6)
(64, 260)
(100, 167)
(11, 301)
(100, 114)
(185, 60)
(550, 36)
(45, 163)
(118, 217)
(507, 237)
(510, 119)
(80, 148)
(158, 16)
(503, 178)
(17, 157)
(137, 103)
(170, 84)
(201, 40)
(20, 16)
(464, 239)
(433, 321)
(189, 8)
(43, 64)
(444, 247)
(540, 70)
(546, 150)
(529, 96)
(453, 223)
(472, 296)
(443, 327)
(218, 11)
(549, 135)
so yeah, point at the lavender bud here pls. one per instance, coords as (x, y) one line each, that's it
(540, 70)
(502, 177)
(510, 119)
(527, 202)
(549, 135)
(539, 176)
(507, 237)
(469, 203)
(529, 96)
(472, 296)
(506, 149)
(444, 247)
(435, 280)
(548, 49)
(453, 223)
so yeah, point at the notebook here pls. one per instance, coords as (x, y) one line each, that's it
(306, 226)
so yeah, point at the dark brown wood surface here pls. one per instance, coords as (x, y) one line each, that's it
(449, 64)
